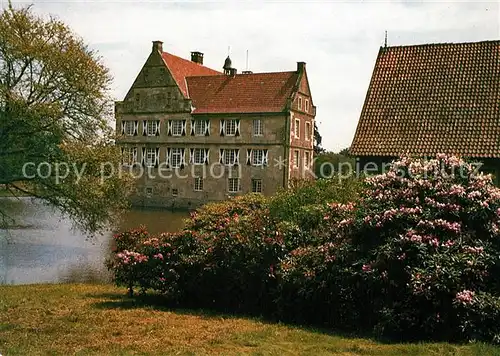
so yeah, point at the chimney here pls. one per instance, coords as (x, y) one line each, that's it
(301, 67)
(158, 46)
(197, 57)
(247, 72)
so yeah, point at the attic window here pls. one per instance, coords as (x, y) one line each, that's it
(307, 105)
(300, 103)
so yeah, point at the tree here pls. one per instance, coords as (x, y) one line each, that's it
(345, 152)
(327, 164)
(55, 140)
(317, 140)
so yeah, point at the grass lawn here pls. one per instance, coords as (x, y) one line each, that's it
(86, 319)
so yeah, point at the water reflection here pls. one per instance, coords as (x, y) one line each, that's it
(42, 247)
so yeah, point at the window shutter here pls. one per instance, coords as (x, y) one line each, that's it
(183, 128)
(221, 156)
(249, 157)
(265, 159)
(144, 127)
(136, 128)
(143, 158)
(167, 159)
(222, 127)
(157, 157)
(123, 127)
(237, 157)
(183, 159)
(207, 154)
(237, 133)
(191, 155)
(207, 128)
(192, 127)
(169, 128)
(158, 123)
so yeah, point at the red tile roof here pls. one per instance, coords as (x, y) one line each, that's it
(427, 99)
(182, 68)
(242, 93)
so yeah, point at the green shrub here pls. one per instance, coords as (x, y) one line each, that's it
(303, 206)
(421, 234)
(416, 255)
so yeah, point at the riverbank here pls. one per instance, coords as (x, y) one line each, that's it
(88, 319)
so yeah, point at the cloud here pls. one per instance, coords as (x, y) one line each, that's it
(338, 40)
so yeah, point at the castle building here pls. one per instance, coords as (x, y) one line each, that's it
(192, 135)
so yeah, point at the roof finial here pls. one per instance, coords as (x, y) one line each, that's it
(228, 50)
(247, 61)
(385, 40)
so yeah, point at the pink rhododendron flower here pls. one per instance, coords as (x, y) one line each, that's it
(465, 297)
(475, 250)
(158, 256)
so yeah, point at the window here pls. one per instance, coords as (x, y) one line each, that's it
(257, 157)
(307, 159)
(229, 157)
(129, 156)
(306, 105)
(177, 157)
(151, 128)
(296, 158)
(233, 185)
(230, 127)
(256, 185)
(149, 191)
(175, 192)
(200, 128)
(176, 128)
(297, 128)
(300, 103)
(198, 155)
(129, 128)
(307, 133)
(150, 156)
(198, 184)
(257, 128)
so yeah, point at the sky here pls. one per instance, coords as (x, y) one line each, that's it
(339, 40)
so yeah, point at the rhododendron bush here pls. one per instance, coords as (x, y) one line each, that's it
(415, 256)
(224, 258)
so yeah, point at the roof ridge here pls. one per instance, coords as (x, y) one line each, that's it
(440, 44)
(241, 74)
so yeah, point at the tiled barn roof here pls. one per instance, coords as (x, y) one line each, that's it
(429, 99)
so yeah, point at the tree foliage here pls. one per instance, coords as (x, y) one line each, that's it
(328, 164)
(54, 120)
(317, 140)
